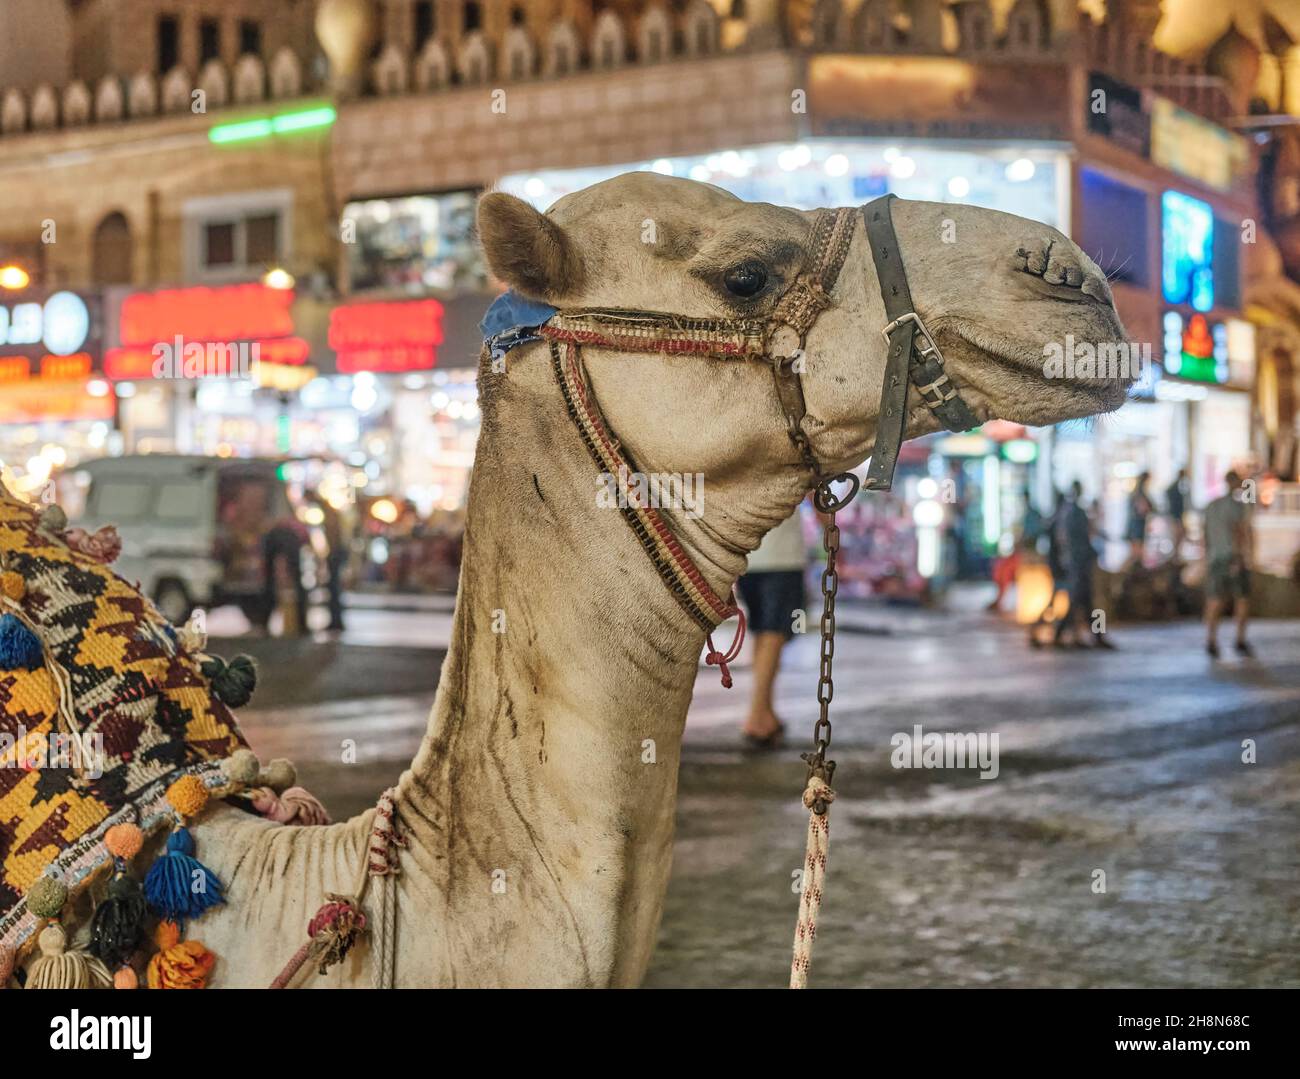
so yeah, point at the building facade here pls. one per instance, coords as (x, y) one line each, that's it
(339, 145)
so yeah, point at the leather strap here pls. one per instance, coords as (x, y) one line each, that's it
(904, 362)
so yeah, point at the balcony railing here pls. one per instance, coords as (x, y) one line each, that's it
(657, 35)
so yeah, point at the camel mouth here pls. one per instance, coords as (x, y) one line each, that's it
(1012, 379)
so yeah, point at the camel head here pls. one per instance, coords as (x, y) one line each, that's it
(997, 291)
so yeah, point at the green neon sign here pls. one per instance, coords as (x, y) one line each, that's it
(283, 123)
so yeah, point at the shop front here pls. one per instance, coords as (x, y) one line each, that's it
(1016, 176)
(209, 370)
(399, 406)
(55, 406)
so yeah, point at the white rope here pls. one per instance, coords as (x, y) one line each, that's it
(814, 872)
(384, 933)
(382, 866)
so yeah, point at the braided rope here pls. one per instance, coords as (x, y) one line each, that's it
(383, 970)
(382, 867)
(810, 895)
(335, 927)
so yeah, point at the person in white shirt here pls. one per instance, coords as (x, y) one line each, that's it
(773, 592)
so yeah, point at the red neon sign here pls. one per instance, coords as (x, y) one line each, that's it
(132, 364)
(158, 328)
(76, 366)
(400, 336)
(15, 368)
(228, 313)
(50, 368)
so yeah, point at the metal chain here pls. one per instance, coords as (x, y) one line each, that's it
(802, 443)
(829, 503)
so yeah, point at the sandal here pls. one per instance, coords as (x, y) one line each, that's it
(763, 743)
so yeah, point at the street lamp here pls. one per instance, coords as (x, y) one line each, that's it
(278, 277)
(14, 277)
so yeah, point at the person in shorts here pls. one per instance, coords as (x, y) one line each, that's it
(1227, 571)
(773, 593)
(1140, 508)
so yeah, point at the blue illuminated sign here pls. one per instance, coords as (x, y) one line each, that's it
(1188, 247)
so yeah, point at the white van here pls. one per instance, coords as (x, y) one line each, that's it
(191, 527)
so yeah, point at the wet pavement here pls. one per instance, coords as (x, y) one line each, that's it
(1127, 764)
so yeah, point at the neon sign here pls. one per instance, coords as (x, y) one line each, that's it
(280, 124)
(387, 337)
(174, 319)
(1188, 250)
(231, 313)
(61, 324)
(1196, 350)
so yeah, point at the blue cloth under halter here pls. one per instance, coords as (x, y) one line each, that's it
(511, 320)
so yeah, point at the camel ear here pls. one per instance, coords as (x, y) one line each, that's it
(526, 249)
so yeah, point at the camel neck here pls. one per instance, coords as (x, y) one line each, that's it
(541, 801)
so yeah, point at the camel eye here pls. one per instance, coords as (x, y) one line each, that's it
(746, 279)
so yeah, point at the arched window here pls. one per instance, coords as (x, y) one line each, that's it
(112, 251)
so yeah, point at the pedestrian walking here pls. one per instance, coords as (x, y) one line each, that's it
(1176, 508)
(1075, 534)
(282, 585)
(1024, 539)
(773, 590)
(1140, 508)
(336, 557)
(1227, 556)
(1053, 551)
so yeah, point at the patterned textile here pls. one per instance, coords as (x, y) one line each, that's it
(93, 736)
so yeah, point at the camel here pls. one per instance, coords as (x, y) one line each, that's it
(538, 812)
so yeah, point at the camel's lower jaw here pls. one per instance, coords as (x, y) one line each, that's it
(1023, 385)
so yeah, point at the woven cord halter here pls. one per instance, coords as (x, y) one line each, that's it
(779, 338)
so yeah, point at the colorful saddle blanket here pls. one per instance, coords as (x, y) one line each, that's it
(101, 707)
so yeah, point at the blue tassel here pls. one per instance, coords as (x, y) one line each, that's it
(20, 648)
(178, 885)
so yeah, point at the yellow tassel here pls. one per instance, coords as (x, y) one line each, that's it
(58, 968)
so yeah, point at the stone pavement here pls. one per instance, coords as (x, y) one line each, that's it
(1126, 763)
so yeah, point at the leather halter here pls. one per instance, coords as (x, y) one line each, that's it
(909, 362)
(913, 359)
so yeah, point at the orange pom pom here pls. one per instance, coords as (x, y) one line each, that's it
(13, 585)
(188, 796)
(124, 841)
(125, 979)
(167, 935)
(182, 964)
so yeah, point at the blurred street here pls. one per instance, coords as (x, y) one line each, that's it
(1127, 762)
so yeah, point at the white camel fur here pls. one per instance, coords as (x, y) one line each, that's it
(568, 655)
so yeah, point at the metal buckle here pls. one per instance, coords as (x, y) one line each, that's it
(929, 349)
(942, 396)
